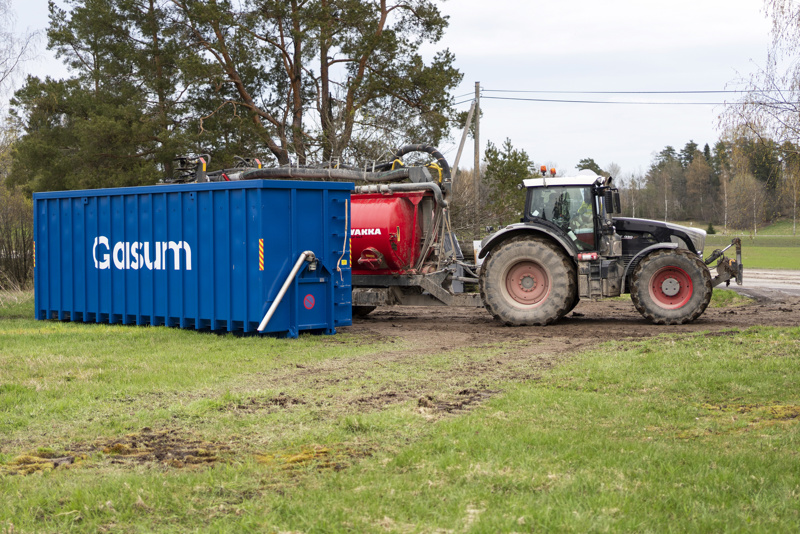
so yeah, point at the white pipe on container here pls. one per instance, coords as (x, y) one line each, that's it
(304, 257)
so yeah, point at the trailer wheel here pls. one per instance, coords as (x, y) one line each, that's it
(528, 281)
(671, 287)
(363, 311)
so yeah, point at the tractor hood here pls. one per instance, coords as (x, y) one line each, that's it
(663, 231)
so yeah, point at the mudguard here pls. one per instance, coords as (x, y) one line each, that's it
(544, 228)
(637, 258)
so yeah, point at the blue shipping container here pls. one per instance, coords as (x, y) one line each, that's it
(205, 256)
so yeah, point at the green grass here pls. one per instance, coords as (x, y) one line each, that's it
(678, 433)
(782, 228)
(16, 304)
(691, 434)
(759, 254)
(76, 382)
(728, 298)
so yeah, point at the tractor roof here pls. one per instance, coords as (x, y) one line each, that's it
(584, 177)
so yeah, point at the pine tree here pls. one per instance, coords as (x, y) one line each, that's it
(688, 153)
(320, 79)
(506, 168)
(118, 120)
(590, 164)
(306, 79)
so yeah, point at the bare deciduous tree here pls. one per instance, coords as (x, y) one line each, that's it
(770, 108)
(14, 48)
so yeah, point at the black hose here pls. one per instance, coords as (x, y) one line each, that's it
(327, 174)
(432, 150)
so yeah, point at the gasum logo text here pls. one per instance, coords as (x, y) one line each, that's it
(139, 255)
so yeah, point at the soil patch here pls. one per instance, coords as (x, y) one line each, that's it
(40, 460)
(315, 457)
(255, 404)
(169, 447)
(431, 330)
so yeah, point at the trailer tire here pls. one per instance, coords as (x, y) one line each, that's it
(671, 287)
(528, 281)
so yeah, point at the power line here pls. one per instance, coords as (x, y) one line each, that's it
(464, 101)
(605, 102)
(630, 92)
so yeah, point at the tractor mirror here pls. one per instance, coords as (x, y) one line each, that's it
(617, 204)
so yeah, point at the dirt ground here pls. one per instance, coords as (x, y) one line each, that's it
(333, 387)
(434, 329)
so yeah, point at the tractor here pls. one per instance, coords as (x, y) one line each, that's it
(569, 246)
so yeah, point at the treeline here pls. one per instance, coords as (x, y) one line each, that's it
(740, 183)
(305, 82)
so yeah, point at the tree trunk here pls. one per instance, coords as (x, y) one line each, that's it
(725, 201)
(325, 103)
(160, 83)
(296, 76)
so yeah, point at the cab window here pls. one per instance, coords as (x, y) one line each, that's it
(569, 208)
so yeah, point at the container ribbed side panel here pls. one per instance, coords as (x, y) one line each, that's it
(202, 256)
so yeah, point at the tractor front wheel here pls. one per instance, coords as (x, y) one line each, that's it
(671, 287)
(528, 281)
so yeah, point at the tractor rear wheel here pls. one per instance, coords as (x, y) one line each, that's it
(671, 287)
(528, 281)
(574, 303)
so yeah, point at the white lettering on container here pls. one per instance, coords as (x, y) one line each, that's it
(136, 254)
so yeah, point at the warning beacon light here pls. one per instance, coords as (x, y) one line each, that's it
(552, 171)
(543, 170)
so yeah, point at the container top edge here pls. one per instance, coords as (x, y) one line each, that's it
(194, 187)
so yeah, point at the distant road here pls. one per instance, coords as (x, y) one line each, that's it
(768, 282)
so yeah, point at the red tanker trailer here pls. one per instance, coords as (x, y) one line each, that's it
(402, 249)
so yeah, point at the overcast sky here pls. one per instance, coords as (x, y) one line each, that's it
(581, 45)
(613, 45)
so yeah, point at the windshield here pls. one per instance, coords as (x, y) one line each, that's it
(569, 208)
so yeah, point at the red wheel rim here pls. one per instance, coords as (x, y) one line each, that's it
(671, 287)
(528, 283)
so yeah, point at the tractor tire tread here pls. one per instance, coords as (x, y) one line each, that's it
(564, 286)
(656, 315)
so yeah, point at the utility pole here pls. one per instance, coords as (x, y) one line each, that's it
(477, 134)
(476, 173)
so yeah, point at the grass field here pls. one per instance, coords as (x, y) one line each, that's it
(783, 228)
(758, 254)
(773, 248)
(684, 433)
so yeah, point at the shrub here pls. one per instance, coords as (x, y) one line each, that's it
(710, 230)
(16, 239)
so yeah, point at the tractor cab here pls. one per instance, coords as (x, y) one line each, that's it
(578, 206)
